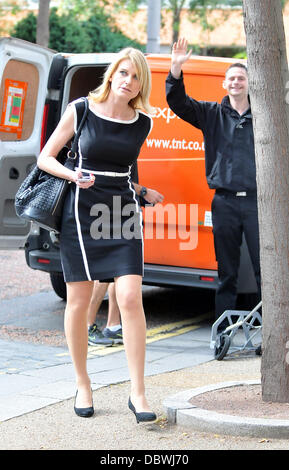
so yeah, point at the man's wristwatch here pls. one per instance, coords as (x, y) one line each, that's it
(143, 191)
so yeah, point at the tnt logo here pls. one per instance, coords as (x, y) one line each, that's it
(165, 113)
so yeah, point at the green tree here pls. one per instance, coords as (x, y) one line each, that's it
(105, 36)
(175, 6)
(233, 3)
(82, 8)
(68, 33)
(25, 28)
(12, 6)
(198, 11)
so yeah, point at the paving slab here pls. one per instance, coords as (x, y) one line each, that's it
(50, 380)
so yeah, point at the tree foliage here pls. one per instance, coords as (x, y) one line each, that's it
(84, 25)
(105, 36)
(68, 33)
(11, 6)
(26, 28)
(198, 11)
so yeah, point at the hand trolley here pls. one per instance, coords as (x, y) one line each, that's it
(251, 324)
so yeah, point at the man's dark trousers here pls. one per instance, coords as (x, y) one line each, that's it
(231, 216)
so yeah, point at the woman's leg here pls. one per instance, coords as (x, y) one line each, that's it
(113, 317)
(75, 325)
(99, 291)
(129, 299)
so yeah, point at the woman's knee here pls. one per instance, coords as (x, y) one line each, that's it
(77, 308)
(78, 297)
(128, 300)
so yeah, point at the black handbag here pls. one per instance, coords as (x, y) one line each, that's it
(41, 196)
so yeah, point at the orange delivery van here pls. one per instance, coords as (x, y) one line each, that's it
(178, 239)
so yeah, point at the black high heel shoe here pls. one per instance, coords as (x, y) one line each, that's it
(83, 412)
(143, 416)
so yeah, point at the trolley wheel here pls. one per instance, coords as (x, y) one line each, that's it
(222, 347)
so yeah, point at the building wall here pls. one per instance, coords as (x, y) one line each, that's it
(228, 30)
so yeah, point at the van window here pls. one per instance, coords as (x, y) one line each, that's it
(18, 95)
(79, 81)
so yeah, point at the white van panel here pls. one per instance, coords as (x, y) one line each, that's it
(18, 151)
(90, 59)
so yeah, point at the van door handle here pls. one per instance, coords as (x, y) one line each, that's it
(13, 173)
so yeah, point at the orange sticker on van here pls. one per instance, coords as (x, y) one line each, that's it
(13, 107)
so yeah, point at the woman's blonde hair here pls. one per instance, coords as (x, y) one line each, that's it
(138, 59)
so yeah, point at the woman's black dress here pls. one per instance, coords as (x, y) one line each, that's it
(101, 234)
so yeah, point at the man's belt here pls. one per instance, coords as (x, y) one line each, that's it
(237, 193)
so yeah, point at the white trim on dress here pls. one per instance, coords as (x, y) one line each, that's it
(138, 209)
(78, 224)
(121, 121)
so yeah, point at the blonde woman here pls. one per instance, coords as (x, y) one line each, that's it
(101, 235)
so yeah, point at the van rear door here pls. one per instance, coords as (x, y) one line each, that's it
(24, 71)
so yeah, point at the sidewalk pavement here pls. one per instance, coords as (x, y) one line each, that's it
(37, 397)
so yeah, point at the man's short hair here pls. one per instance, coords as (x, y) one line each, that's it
(237, 64)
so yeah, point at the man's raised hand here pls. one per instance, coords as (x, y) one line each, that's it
(180, 55)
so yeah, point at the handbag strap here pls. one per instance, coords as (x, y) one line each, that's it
(72, 154)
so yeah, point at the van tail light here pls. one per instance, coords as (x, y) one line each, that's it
(43, 260)
(44, 126)
(207, 278)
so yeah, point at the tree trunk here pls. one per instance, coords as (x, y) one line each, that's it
(42, 33)
(176, 25)
(176, 7)
(268, 80)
